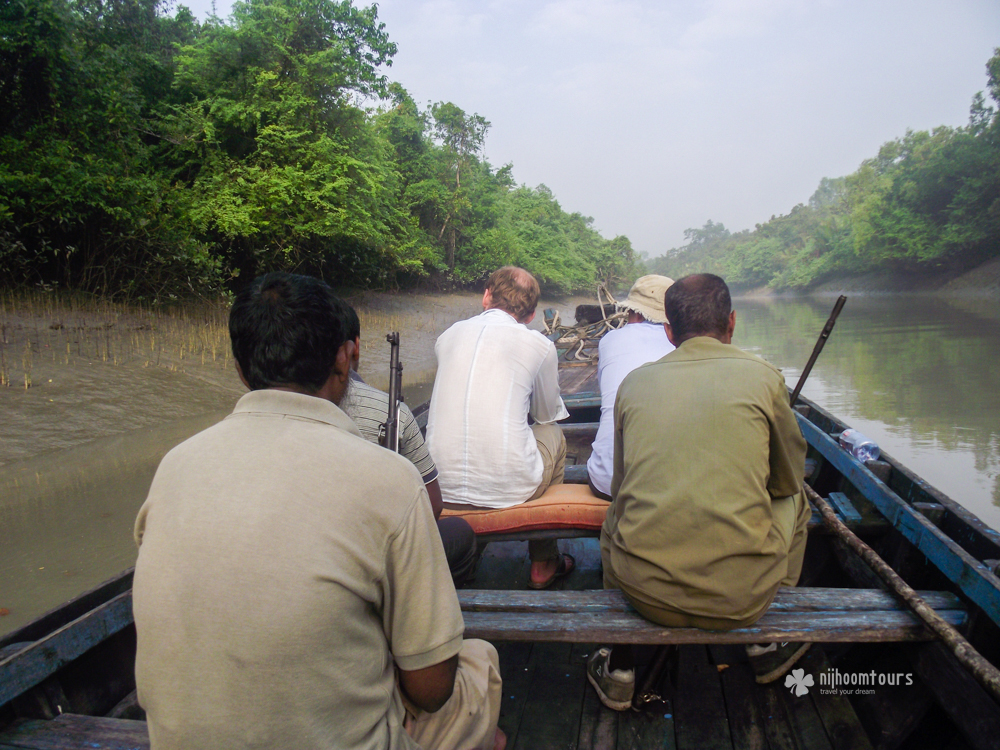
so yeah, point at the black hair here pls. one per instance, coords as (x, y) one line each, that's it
(286, 330)
(698, 305)
(353, 323)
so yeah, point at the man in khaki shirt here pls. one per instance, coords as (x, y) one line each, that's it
(708, 516)
(291, 588)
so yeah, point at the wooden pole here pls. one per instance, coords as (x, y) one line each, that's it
(987, 675)
(820, 343)
(647, 693)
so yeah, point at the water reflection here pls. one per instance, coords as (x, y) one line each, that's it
(66, 518)
(915, 373)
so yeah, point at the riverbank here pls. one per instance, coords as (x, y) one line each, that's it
(74, 369)
(981, 281)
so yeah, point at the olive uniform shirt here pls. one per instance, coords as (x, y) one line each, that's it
(286, 566)
(708, 465)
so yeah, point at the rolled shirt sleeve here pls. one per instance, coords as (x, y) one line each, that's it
(546, 402)
(421, 615)
(413, 447)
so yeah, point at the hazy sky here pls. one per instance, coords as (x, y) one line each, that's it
(653, 117)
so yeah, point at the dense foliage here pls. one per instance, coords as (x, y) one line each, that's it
(144, 153)
(927, 204)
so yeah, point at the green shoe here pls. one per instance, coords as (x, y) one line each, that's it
(614, 688)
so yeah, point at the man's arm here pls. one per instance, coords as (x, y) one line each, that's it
(434, 493)
(431, 687)
(787, 453)
(420, 612)
(546, 404)
(618, 456)
(413, 447)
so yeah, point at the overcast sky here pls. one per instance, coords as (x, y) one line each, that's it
(653, 117)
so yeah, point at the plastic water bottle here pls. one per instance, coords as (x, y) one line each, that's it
(859, 446)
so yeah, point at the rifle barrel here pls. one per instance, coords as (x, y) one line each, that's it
(395, 393)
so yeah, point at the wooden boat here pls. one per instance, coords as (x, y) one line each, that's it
(66, 680)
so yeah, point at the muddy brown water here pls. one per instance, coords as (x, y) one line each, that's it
(110, 395)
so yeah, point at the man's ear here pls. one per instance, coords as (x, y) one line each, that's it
(346, 354)
(243, 379)
(529, 318)
(731, 328)
(336, 385)
(487, 299)
(670, 334)
(356, 357)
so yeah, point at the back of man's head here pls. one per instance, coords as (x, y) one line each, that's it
(286, 330)
(514, 290)
(698, 305)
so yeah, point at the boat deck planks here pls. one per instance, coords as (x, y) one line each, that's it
(548, 703)
(551, 715)
(746, 722)
(578, 377)
(75, 732)
(835, 711)
(701, 720)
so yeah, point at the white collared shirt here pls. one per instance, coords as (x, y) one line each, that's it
(492, 372)
(620, 352)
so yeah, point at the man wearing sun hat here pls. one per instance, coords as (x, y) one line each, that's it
(640, 341)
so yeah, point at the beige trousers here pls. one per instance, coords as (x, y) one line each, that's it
(468, 721)
(552, 445)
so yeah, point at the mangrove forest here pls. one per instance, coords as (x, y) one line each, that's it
(147, 155)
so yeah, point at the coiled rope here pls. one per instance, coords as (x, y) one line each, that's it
(580, 341)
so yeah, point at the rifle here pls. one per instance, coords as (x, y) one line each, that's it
(820, 343)
(389, 433)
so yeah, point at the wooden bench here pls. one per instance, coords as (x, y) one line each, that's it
(75, 731)
(605, 616)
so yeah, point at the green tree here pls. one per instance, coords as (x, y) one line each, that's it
(81, 202)
(461, 138)
(143, 153)
(283, 169)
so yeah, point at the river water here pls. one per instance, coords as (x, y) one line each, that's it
(918, 374)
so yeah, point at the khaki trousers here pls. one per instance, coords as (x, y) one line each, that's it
(791, 514)
(552, 445)
(468, 721)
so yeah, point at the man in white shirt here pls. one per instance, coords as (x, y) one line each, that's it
(493, 371)
(642, 340)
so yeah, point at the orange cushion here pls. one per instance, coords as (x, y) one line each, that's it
(562, 506)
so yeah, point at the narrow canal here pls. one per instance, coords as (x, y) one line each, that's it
(78, 449)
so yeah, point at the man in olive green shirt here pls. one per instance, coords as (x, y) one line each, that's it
(708, 516)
